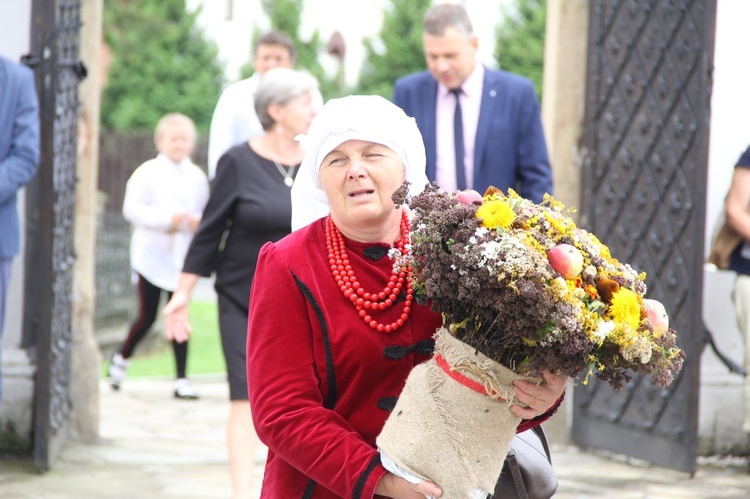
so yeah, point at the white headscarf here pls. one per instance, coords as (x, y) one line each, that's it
(357, 117)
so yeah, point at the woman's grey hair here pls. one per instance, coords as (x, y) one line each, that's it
(280, 86)
(446, 15)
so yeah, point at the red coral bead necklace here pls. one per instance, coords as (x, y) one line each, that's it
(366, 303)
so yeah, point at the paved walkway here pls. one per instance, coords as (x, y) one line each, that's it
(154, 446)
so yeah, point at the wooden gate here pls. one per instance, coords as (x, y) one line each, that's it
(50, 214)
(644, 193)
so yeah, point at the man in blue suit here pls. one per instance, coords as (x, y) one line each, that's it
(500, 121)
(19, 157)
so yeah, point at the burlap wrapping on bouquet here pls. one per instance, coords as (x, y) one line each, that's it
(449, 433)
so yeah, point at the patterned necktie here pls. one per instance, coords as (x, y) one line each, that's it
(458, 139)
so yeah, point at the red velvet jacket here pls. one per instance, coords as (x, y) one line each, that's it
(321, 382)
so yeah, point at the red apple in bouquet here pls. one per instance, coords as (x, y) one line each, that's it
(566, 260)
(657, 315)
(469, 196)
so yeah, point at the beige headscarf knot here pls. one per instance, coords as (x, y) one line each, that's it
(357, 117)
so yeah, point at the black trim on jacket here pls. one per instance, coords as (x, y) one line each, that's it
(310, 489)
(362, 480)
(330, 403)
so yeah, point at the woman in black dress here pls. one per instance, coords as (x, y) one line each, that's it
(249, 205)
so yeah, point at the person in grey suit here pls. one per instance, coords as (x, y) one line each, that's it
(499, 136)
(19, 157)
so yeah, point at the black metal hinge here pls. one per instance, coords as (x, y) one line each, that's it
(78, 67)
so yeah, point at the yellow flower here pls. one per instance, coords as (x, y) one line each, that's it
(588, 375)
(560, 225)
(603, 249)
(626, 308)
(527, 239)
(623, 336)
(496, 214)
(513, 194)
(492, 192)
(574, 283)
(552, 202)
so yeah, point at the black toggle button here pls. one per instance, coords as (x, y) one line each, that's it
(397, 352)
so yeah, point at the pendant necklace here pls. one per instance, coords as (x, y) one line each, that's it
(287, 174)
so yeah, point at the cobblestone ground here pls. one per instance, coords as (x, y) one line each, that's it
(154, 446)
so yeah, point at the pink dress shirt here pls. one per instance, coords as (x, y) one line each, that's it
(471, 102)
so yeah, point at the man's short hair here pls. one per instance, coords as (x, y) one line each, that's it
(446, 15)
(274, 37)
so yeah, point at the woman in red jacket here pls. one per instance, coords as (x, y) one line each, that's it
(324, 369)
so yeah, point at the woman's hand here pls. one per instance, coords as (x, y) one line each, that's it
(193, 221)
(538, 398)
(178, 219)
(177, 323)
(393, 486)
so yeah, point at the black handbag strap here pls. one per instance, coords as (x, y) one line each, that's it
(543, 438)
(515, 471)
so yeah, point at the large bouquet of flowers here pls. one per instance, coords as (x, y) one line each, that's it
(521, 289)
(521, 283)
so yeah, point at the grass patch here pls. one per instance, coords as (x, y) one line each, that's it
(204, 352)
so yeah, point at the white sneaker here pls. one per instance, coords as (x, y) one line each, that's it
(116, 371)
(184, 390)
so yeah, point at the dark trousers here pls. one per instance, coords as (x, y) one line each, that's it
(149, 297)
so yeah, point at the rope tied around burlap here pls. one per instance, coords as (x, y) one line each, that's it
(475, 366)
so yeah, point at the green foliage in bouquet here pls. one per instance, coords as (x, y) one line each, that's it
(522, 284)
